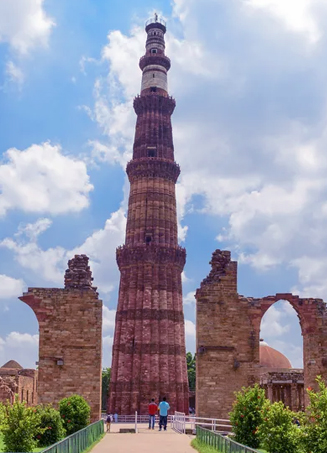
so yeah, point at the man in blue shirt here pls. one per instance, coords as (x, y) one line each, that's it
(163, 411)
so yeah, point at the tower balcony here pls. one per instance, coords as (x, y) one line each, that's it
(150, 253)
(155, 59)
(152, 167)
(155, 22)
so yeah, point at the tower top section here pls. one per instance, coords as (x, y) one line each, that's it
(154, 64)
(155, 22)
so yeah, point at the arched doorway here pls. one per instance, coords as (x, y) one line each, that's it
(228, 333)
(19, 346)
(281, 356)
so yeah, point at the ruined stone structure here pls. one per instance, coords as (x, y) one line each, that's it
(70, 331)
(15, 380)
(228, 332)
(149, 359)
(284, 385)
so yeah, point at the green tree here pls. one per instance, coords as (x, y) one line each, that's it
(106, 373)
(191, 368)
(315, 427)
(75, 413)
(247, 415)
(51, 425)
(277, 432)
(21, 427)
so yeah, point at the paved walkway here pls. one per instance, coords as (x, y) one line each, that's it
(145, 441)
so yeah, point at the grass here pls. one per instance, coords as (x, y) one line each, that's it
(94, 443)
(201, 447)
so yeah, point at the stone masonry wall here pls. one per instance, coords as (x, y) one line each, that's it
(70, 328)
(228, 332)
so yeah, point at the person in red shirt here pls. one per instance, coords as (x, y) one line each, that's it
(153, 408)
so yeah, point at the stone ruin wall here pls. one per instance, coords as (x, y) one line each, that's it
(70, 337)
(228, 333)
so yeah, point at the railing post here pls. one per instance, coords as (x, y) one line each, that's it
(135, 422)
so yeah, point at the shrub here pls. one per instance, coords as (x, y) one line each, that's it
(315, 428)
(278, 433)
(21, 427)
(246, 415)
(51, 425)
(75, 413)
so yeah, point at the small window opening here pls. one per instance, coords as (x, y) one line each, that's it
(153, 89)
(148, 239)
(153, 50)
(153, 75)
(152, 152)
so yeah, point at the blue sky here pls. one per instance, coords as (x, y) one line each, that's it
(249, 131)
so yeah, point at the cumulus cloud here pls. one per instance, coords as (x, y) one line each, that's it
(42, 179)
(24, 24)
(272, 324)
(262, 111)
(50, 264)
(21, 347)
(10, 287)
(297, 15)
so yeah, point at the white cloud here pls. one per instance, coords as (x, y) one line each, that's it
(107, 343)
(297, 15)
(108, 320)
(189, 299)
(24, 24)
(15, 73)
(33, 230)
(50, 264)
(190, 335)
(272, 324)
(21, 347)
(10, 287)
(42, 179)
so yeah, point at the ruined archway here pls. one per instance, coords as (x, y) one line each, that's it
(19, 355)
(70, 343)
(228, 333)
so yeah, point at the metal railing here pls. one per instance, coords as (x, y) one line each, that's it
(182, 422)
(221, 443)
(79, 441)
(179, 423)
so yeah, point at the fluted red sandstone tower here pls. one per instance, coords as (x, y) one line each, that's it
(149, 344)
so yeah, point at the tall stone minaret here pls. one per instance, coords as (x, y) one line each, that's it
(149, 343)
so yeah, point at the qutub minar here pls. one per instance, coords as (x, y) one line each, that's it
(149, 343)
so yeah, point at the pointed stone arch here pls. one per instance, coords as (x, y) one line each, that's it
(228, 334)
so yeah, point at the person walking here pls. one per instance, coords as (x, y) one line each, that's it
(108, 422)
(163, 411)
(153, 408)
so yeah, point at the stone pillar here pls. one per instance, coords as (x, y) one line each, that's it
(227, 342)
(70, 344)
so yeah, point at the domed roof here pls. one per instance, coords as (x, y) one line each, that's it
(270, 358)
(12, 364)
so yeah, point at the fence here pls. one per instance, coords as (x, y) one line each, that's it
(182, 423)
(79, 441)
(178, 423)
(221, 443)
